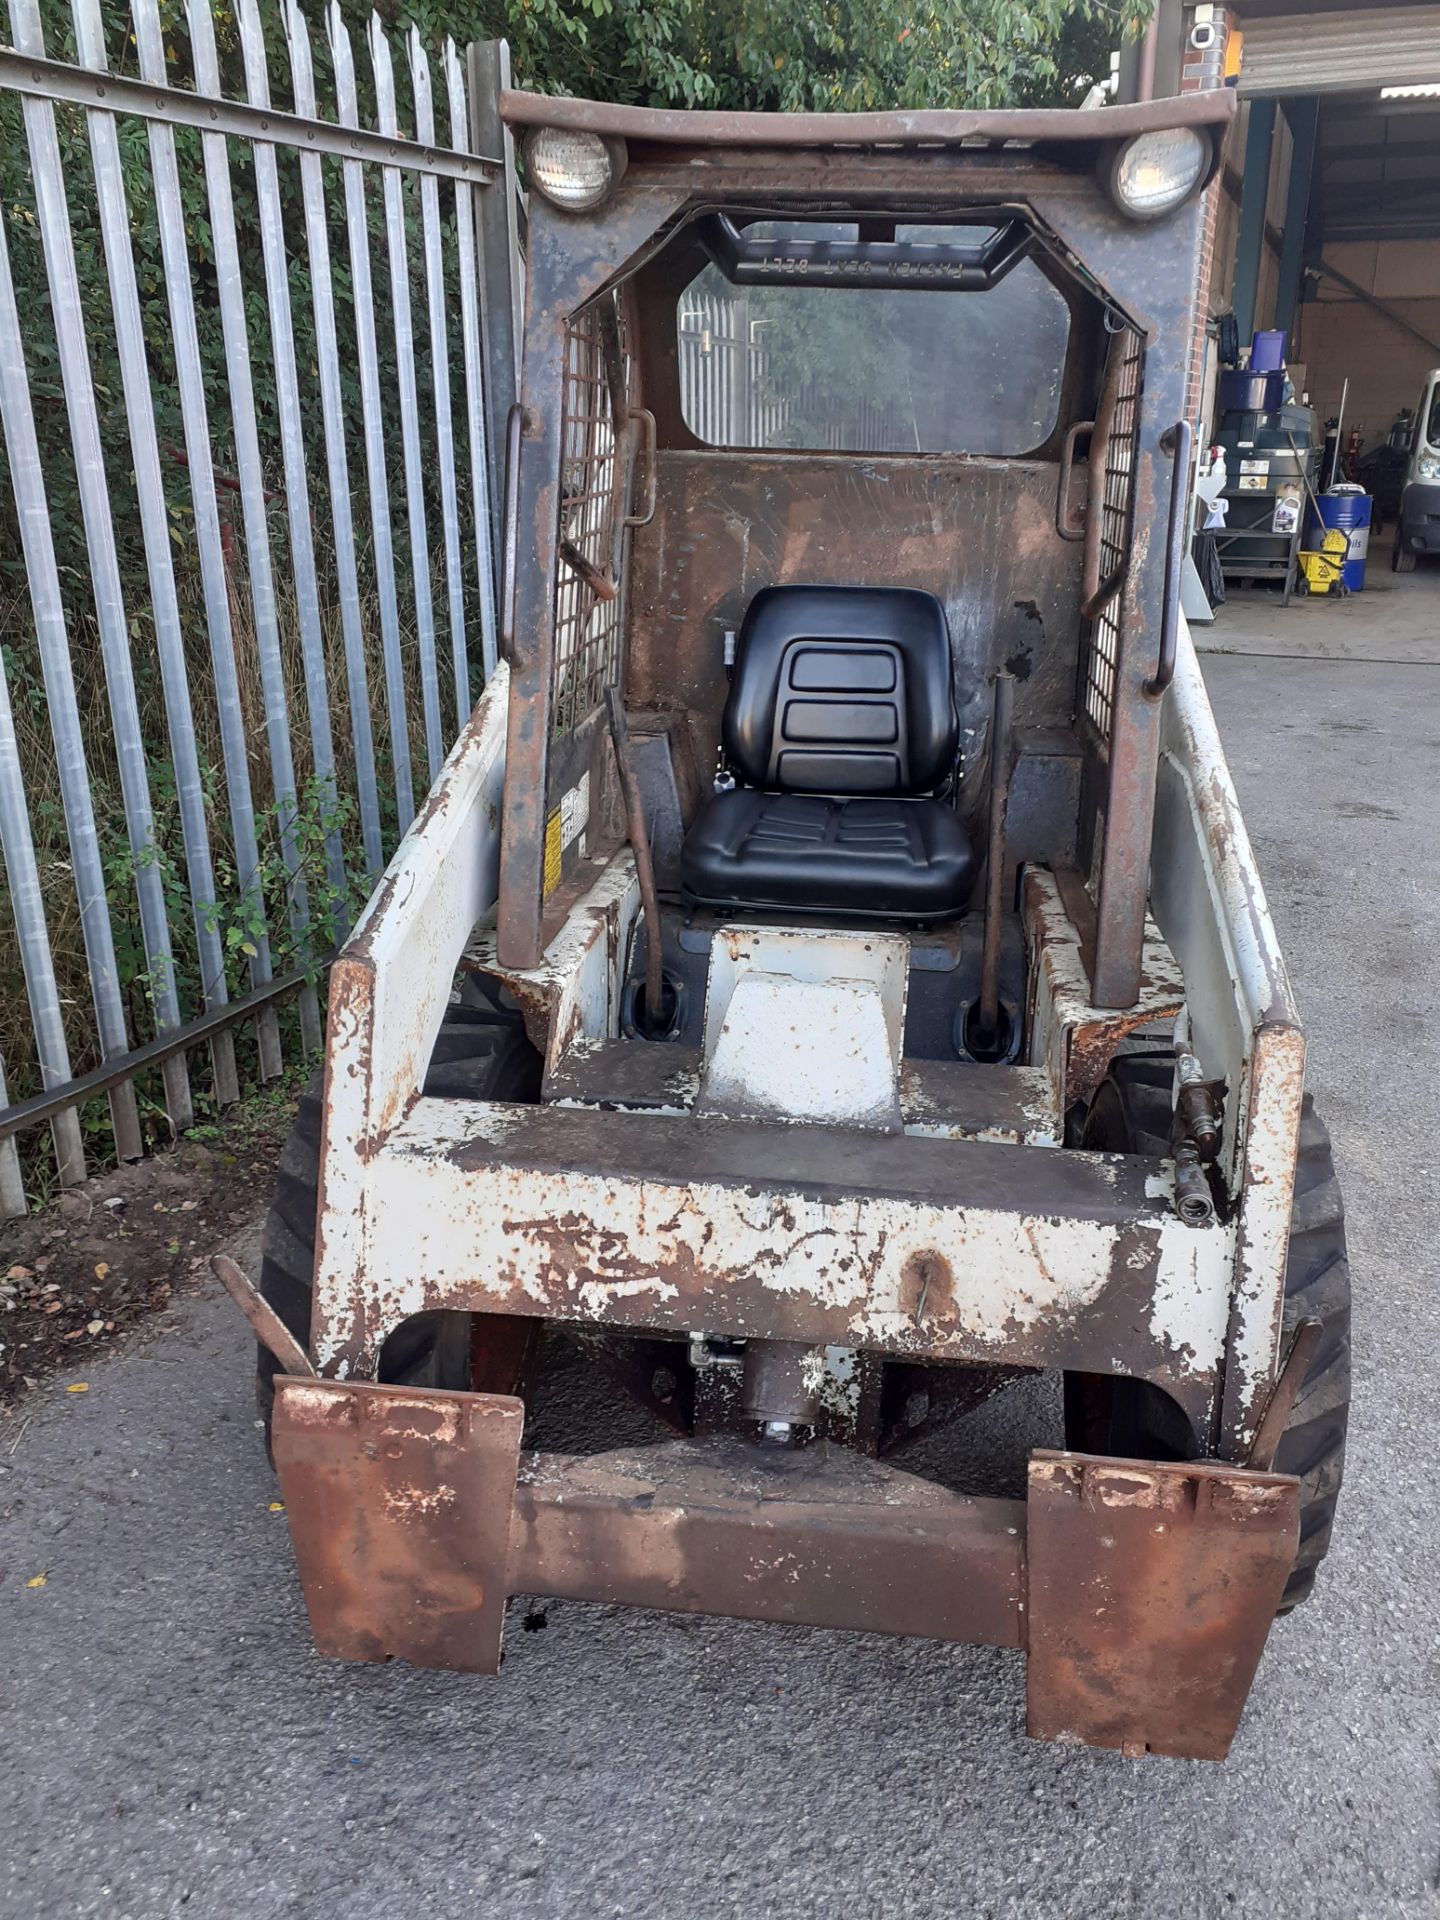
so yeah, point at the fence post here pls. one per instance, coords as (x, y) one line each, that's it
(499, 235)
(440, 380)
(465, 217)
(28, 906)
(332, 408)
(292, 446)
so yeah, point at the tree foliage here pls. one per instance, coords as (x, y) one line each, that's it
(788, 55)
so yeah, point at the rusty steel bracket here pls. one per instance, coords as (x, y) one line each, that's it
(270, 1330)
(1280, 1405)
(1142, 1591)
(816, 1536)
(1151, 1590)
(399, 1501)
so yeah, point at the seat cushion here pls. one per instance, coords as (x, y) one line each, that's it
(842, 690)
(881, 859)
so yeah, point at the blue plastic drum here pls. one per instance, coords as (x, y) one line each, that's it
(1348, 509)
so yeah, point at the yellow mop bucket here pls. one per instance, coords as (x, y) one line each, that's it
(1320, 571)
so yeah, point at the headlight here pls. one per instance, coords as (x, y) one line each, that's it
(1428, 466)
(575, 170)
(1154, 172)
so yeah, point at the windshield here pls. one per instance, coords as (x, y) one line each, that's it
(1432, 425)
(872, 369)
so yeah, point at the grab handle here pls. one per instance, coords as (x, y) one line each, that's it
(510, 530)
(644, 415)
(1066, 523)
(1177, 441)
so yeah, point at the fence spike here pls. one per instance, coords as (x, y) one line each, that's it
(250, 469)
(440, 375)
(372, 412)
(209, 535)
(404, 327)
(465, 239)
(332, 406)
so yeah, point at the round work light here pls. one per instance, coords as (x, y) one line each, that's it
(574, 170)
(1153, 173)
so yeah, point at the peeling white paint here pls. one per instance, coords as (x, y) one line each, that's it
(596, 1295)
(619, 1245)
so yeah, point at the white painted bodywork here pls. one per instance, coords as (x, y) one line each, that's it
(391, 985)
(804, 1024)
(1209, 901)
(445, 1188)
(422, 1208)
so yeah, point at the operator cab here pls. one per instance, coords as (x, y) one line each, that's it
(829, 463)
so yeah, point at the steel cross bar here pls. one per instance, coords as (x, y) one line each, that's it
(176, 106)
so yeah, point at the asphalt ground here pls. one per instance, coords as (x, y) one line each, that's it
(171, 1745)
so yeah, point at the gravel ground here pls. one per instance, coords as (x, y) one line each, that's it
(169, 1744)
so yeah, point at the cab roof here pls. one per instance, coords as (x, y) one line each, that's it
(924, 127)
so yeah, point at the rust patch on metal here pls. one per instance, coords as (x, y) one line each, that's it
(816, 1537)
(399, 1504)
(927, 1286)
(1151, 1588)
(737, 131)
(979, 533)
(1089, 1036)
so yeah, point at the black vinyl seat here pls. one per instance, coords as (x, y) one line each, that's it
(841, 723)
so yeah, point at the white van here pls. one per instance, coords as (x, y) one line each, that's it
(1419, 527)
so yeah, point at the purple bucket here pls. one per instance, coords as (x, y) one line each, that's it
(1267, 352)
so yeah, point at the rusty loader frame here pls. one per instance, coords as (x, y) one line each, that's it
(636, 1198)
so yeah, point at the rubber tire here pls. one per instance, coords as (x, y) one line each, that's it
(1402, 560)
(480, 1054)
(1133, 1105)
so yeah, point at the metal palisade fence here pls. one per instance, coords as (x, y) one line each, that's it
(257, 336)
(729, 399)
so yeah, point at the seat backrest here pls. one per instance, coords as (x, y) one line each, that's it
(842, 690)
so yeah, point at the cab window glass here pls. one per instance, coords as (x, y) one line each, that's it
(873, 369)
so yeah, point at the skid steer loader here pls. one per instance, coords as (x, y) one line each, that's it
(829, 983)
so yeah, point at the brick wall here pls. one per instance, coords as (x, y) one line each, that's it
(1214, 199)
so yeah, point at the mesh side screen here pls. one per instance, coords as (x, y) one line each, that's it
(1116, 503)
(587, 628)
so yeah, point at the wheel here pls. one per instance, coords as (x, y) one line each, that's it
(1402, 560)
(1131, 1114)
(1302, 583)
(480, 1054)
